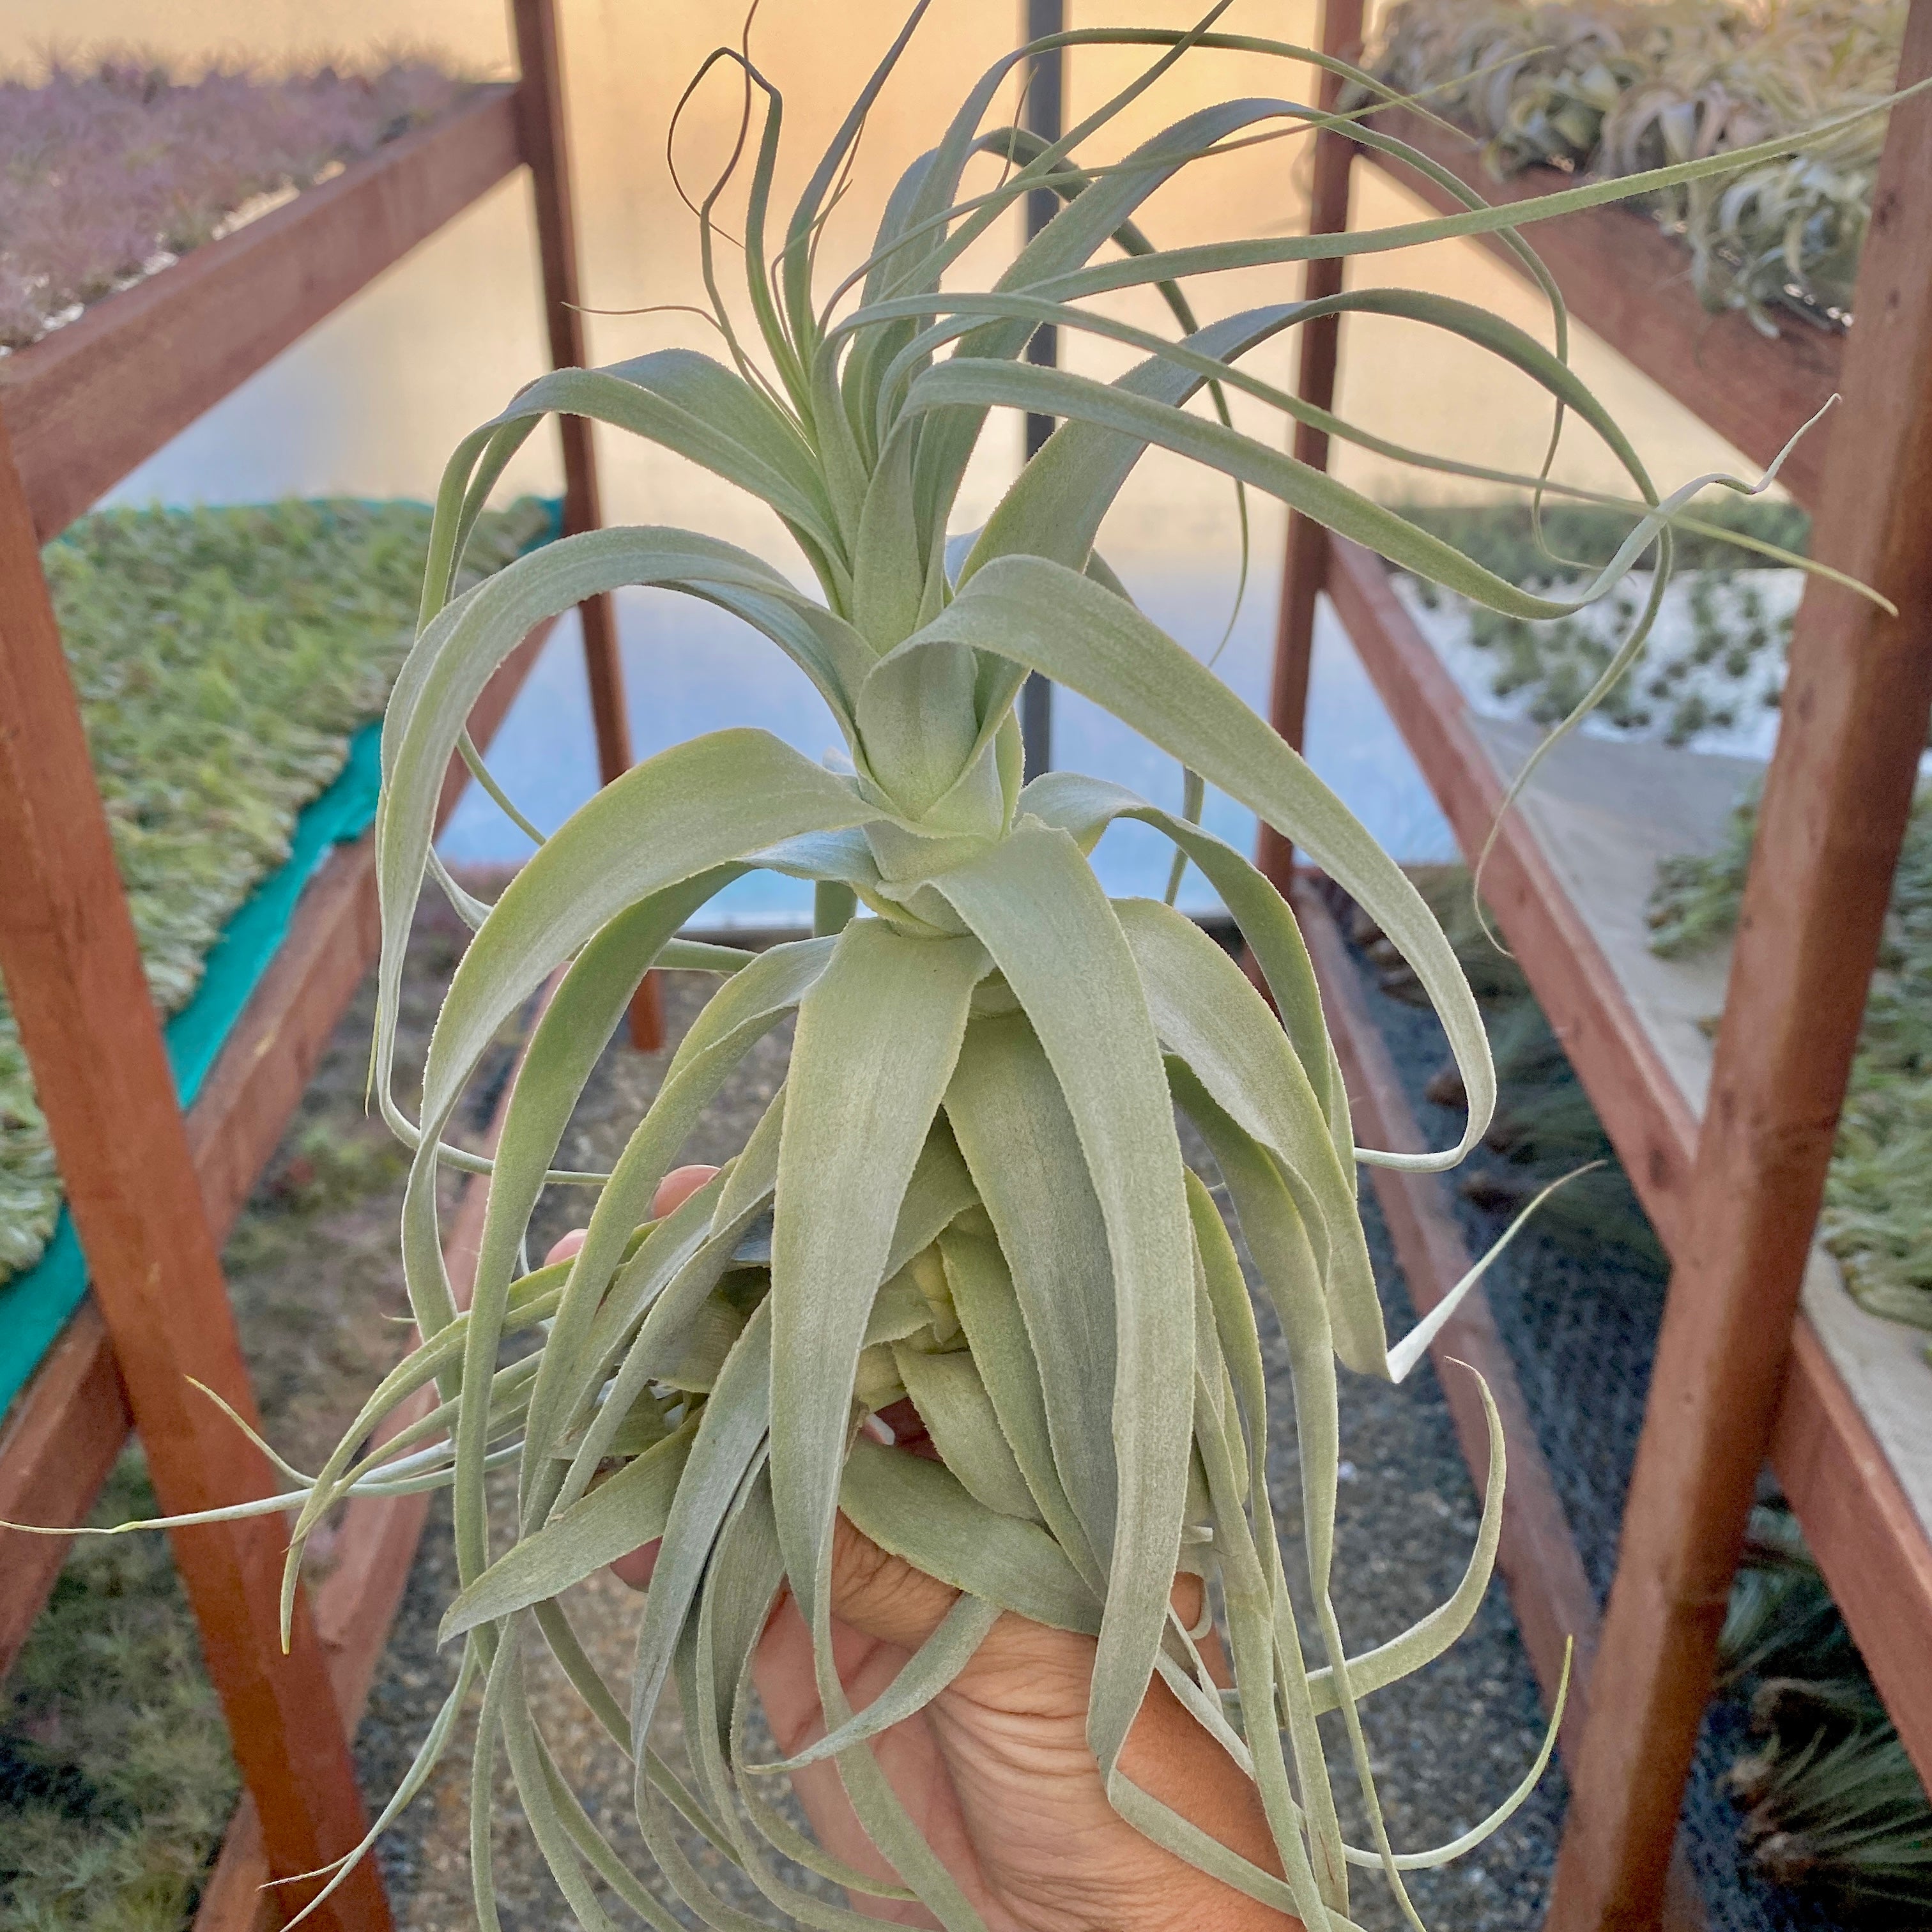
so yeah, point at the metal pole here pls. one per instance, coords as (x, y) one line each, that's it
(1045, 116)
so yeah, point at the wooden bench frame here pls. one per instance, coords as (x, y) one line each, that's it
(153, 1189)
(1741, 1376)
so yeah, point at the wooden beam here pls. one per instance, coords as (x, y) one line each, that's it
(68, 1427)
(1305, 554)
(546, 148)
(1623, 277)
(1830, 825)
(1832, 1469)
(74, 975)
(86, 404)
(1862, 1528)
(62, 1436)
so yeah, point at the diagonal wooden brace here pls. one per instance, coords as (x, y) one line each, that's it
(74, 973)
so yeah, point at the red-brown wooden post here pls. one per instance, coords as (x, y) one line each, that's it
(1833, 817)
(73, 972)
(540, 100)
(1304, 562)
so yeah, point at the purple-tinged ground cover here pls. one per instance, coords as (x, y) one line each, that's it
(112, 169)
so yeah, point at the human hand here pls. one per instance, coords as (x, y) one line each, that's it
(996, 1771)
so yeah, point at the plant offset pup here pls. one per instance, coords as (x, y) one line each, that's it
(970, 1189)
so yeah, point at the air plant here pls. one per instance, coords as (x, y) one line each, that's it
(1535, 80)
(1544, 1125)
(1877, 1217)
(221, 657)
(970, 1191)
(1831, 1802)
(1617, 88)
(1715, 662)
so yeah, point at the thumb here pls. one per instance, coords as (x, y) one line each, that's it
(881, 1594)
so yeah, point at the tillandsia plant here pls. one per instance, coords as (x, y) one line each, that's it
(1877, 1217)
(1618, 86)
(1831, 1799)
(970, 1189)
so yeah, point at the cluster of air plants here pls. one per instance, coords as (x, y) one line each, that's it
(1615, 87)
(1535, 81)
(116, 168)
(1713, 673)
(1544, 1127)
(222, 658)
(970, 1193)
(1877, 1216)
(1831, 1802)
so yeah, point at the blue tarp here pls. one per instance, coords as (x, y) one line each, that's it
(34, 1306)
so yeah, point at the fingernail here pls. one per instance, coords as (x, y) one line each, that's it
(879, 1430)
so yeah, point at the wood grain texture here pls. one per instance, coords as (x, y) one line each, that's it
(1628, 281)
(1830, 825)
(86, 404)
(75, 979)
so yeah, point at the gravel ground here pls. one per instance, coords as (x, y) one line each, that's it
(1449, 1744)
(426, 1858)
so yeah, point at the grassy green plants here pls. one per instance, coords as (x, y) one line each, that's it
(969, 1192)
(115, 1776)
(116, 167)
(222, 658)
(1877, 1217)
(1615, 88)
(1831, 1802)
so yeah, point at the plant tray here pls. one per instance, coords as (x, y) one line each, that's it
(36, 1301)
